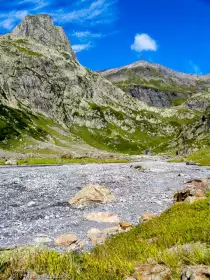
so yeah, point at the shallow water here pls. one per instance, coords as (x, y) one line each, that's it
(34, 200)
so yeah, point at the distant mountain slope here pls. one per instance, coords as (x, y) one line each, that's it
(49, 101)
(155, 84)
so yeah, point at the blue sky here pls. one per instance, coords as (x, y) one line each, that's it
(113, 33)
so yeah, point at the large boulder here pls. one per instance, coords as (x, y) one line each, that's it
(92, 194)
(66, 240)
(197, 272)
(195, 190)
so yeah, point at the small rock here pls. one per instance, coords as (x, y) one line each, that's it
(146, 217)
(31, 203)
(97, 237)
(102, 217)
(125, 225)
(73, 247)
(112, 230)
(11, 162)
(151, 272)
(92, 194)
(43, 239)
(81, 243)
(191, 163)
(66, 240)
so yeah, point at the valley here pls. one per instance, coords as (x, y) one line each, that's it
(103, 175)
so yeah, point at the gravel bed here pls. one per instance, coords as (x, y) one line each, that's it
(34, 200)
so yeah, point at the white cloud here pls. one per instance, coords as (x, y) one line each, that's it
(81, 47)
(97, 9)
(195, 68)
(86, 34)
(143, 42)
(38, 3)
(8, 21)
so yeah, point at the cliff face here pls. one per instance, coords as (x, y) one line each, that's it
(41, 29)
(156, 97)
(47, 97)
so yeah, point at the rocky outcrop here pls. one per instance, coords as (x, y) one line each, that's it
(40, 28)
(155, 97)
(198, 272)
(195, 190)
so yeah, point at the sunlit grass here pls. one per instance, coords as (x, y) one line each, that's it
(40, 161)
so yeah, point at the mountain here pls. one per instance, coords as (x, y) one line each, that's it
(157, 85)
(50, 103)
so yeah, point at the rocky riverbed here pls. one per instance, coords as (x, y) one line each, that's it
(34, 200)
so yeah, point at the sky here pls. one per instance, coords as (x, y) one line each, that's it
(112, 33)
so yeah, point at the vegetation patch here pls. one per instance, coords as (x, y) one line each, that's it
(21, 41)
(29, 52)
(178, 101)
(40, 161)
(202, 157)
(15, 123)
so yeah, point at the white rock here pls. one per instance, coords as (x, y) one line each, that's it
(103, 217)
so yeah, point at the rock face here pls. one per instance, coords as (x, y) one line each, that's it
(92, 194)
(41, 29)
(156, 97)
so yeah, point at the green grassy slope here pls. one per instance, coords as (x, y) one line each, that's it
(21, 130)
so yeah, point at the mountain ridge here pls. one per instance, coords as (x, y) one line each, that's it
(144, 80)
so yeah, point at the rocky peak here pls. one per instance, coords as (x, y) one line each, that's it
(41, 29)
